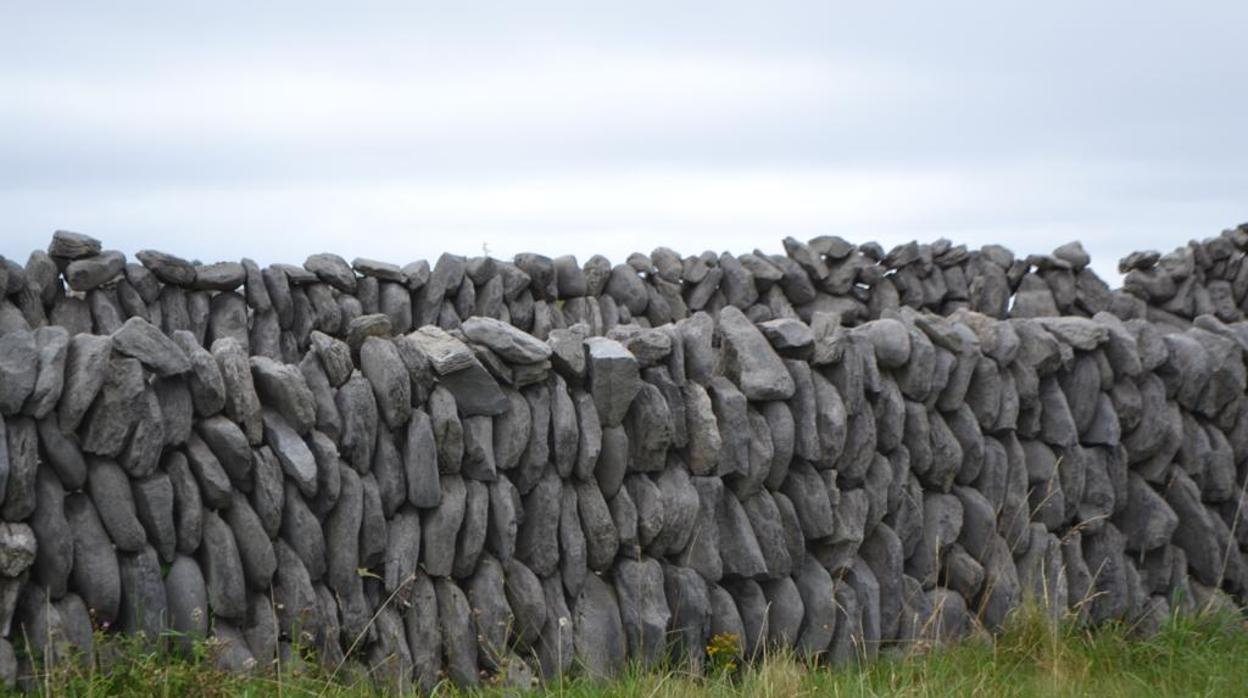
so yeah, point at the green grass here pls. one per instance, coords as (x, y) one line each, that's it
(1032, 657)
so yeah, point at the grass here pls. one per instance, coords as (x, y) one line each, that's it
(1190, 656)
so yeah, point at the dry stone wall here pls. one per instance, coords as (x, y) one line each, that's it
(512, 469)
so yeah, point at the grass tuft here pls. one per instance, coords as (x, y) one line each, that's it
(1033, 656)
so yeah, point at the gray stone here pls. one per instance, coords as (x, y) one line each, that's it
(441, 525)
(214, 483)
(537, 542)
(704, 441)
(358, 408)
(819, 618)
(144, 607)
(738, 547)
(229, 444)
(255, 550)
(87, 273)
(223, 569)
(382, 366)
(789, 336)
(153, 505)
(266, 493)
(302, 531)
(110, 418)
(420, 462)
(176, 406)
(890, 339)
(767, 527)
(649, 425)
(335, 357)
(54, 542)
(187, 596)
(204, 380)
(52, 345)
(476, 391)
(333, 270)
(188, 507)
(283, 388)
(219, 276)
(71, 245)
(168, 268)
(473, 529)
(94, 574)
(328, 419)
(601, 645)
(511, 431)
(18, 466)
(424, 632)
(639, 587)
(458, 634)
(805, 489)
(601, 538)
(614, 379)
(504, 514)
(110, 492)
(242, 404)
(505, 340)
(85, 370)
(750, 361)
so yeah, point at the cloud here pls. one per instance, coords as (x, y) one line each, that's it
(399, 129)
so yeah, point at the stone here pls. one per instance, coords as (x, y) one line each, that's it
(186, 594)
(649, 423)
(476, 391)
(19, 470)
(738, 546)
(53, 535)
(358, 407)
(537, 543)
(788, 335)
(87, 273)
(382, 366)
(255, 550)
(505, 340)
(473, 529)
(283, 388)
(219, 276)
(18, 547)
(702, 428)
(85, 370)
(188, 506)
(749, 360)
(333, 270)
(214, 482)
(70, 245)
(168, 268)
(153, 505)
(110, 418)
(302, 531)
(598, 631)
(229, 444)
(223, 569)
(890, 340)
(95, 572)
(52, 345)
(242, 404)
(639, 587)
(819, 618)
(614, 379)
(458, 634)
(144, 606)
(440, 527)
(110, 492)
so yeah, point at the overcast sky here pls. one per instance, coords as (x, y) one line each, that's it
(278, 129)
